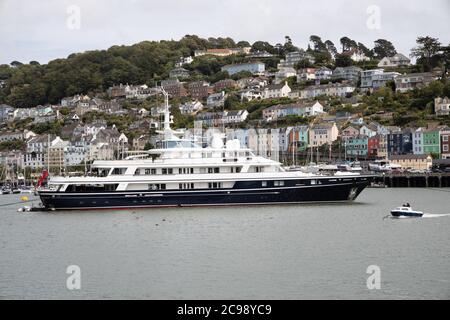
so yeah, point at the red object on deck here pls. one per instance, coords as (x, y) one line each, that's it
(44, 176)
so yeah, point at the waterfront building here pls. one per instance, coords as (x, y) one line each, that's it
(323, 133)
(432, 142)
(356, 146)
(400, 143)
(298, 139)
(445, 143)
(418, 141)
(373, 146)
(413, 161)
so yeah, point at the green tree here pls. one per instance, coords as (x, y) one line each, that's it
(343, 60)
(426, 51)
(384, 48)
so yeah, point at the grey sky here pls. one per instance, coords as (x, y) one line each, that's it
(37, 30)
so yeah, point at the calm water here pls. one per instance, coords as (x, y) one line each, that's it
(273, 252)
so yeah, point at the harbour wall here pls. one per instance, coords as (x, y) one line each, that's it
(432, 180)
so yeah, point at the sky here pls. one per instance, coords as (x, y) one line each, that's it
(48, 29)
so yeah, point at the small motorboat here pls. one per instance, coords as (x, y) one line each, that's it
(406, 211)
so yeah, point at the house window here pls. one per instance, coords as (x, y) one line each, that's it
(445, 148)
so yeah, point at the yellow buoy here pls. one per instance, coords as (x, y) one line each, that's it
(24, 198)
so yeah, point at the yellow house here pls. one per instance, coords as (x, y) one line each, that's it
(323, 133)
(413, 161)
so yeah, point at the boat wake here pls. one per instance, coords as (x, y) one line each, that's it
(425, 215)
(432, 215)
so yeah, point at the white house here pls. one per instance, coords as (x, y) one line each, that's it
(442, 106)
(335, 90)
(324, 73)
(367, 131)
(277, 91)
(397, 60)
(250, 94)
(417, 137)
(235, 116)
(216, 100)
(284, 73)
(191, 107)
(306, 74)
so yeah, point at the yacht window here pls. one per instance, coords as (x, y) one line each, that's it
(147, 171)
(279, 183)
(264, 183)
(153, 171)
(91, 187)
(157, 186)
(186, 186)
(215, 185)
(118, 171)
(192, 170)
(313, 182)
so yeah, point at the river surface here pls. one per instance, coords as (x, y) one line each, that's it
(269, 252)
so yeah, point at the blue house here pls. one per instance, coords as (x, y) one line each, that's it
(357, 146)
(400, 143)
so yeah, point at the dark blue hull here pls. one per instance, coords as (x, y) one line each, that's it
(399, 214)
(244, 193)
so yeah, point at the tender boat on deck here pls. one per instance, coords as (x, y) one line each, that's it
(406, 211)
